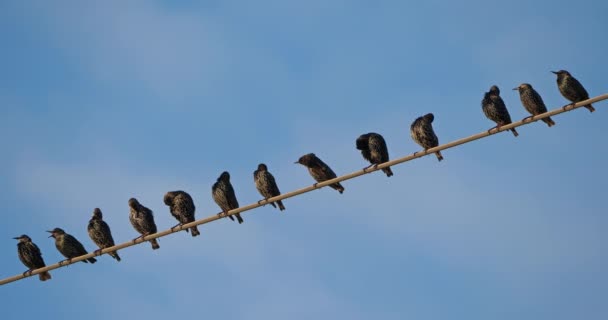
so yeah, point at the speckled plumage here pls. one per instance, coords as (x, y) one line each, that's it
(30, 256)
(373, 149)
(266, 185)
(69, 246)
(423, 134)
(495, 109)
(533, 102)
(142, 220)
(571, 88)
(223, 195)
(182, 208)
(100, 233)
(319, 170)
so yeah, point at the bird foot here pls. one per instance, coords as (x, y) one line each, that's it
(28, 273)
(176, 226)
(571, 105)
(260, 202)
(221, 215)
(315, 185)
(135, 240)
(97, 252)
(493, 128)
(529, 117)
(66, 262)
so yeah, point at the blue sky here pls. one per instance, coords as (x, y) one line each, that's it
(103, 101)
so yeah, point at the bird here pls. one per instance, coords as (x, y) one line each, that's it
(223, 195)
(182, 208)
(142, 220)
(266, 185)
(319, 170)
(100, 233)
(571, 88)
(373, 149)
(532, 102)
(494, 108)
(422, 132)
(69, 246)
(30, 256)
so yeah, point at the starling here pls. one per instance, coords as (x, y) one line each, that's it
(100, 233)
(31, 257)
(69, 246)
(182, 208)
(319, 170)
(142, 220)
(224, 196)
(533, 102)
(422, 132)
(571, 89)
(494, 108)
(373, 148)
(266, 185)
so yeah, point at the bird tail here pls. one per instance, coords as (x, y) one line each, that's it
(514, 132)
(281, 206)
(238, 217)
(590, 107)
(273, 205)
(44, 276)
(388, 171)
(114, 255)
(154, 244)
(439, 156)
(338, 187)
(549, 121)
(194, 231)
(91, 260)
(231, 218)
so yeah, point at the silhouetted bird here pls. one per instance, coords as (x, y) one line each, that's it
(68, 246)
(571, 89)
(373, 149)
(182, 208)
(533, 102)
(223, 195)
(422, 132)
(319, 170)
(494, 109)
(142, 220)
(31, 257)
(266, 185)
(100, 233)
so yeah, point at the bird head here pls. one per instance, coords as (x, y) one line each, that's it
(133, 203)
(225, 176)
(523, 86)
(362, 142)
(56, 232)
(494, 90)
(168, 198)
(429, 117)
(97, 214)
(306, 159)
(262, 167)
(23, 238)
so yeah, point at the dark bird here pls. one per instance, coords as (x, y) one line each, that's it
(319, 170)
(266, 185)
(373, 149)
(422, 132)
(533, 102)
(31, 257)
(182, 208)
(142, 220)
(495, 109)
(100, 233)
(69, 246)
(223, 195)
(571, 89)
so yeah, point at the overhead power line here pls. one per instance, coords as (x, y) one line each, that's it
(349, 176)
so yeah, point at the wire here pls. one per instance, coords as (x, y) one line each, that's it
(319, 185)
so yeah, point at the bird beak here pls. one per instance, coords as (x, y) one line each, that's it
(555, 72)
(297, 162)
(16, 238)
(51, 232)
(516, 88)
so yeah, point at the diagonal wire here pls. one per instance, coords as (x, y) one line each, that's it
(349, 176)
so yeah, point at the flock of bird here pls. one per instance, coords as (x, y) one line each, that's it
(373, 149)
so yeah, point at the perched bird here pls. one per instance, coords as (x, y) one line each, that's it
(182, 208)
(533, 102)
(319, 170)
(422, 132)
(571, 89)
(100, 233)
(266, 185)
(142, 220)
(31, 257)
(68, 246)
(223, 195)
(373, 149)
(494, 108)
